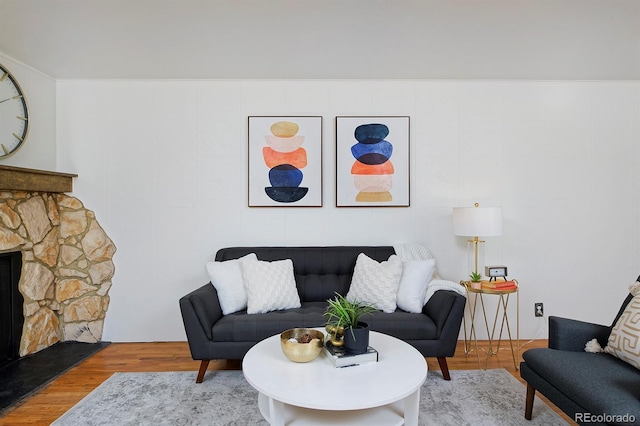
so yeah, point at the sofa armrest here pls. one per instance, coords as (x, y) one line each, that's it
(446, 309)
(200, 310)
(572, 335)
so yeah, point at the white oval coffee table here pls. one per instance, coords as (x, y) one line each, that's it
(386, 392)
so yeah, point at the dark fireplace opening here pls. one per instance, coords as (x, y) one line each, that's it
(11, 302)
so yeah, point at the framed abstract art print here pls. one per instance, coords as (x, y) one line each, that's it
(372, 161)
(285, 161)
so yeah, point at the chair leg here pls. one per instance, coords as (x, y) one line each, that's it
(528, 408)
(442, 361)
(203, 369)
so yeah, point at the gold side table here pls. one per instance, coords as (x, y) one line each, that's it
(475, 294)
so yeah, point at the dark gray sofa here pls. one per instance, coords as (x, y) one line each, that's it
(319, 272)
(586, 386)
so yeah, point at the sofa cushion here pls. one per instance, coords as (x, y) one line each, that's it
(412, 289)
(403, 325)
(598, 382)
(376, 283)
(624, 340)
(270, 285)
(226, 277)
(239, 327)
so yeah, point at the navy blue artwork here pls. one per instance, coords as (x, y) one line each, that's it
(372, 159)
(371, 133)
(285, 175)
(372, 153)
(286, 195)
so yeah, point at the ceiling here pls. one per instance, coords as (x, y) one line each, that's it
(324, 39)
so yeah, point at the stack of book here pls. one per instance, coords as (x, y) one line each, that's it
(341, 358)
(499, 285)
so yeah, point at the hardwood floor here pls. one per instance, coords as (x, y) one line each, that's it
(55, 399)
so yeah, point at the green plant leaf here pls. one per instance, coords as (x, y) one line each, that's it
(346, 314)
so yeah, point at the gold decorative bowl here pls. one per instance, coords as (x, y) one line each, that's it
(302, 352)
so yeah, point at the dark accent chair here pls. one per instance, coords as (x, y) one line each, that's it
(582, 384)
(319, 272)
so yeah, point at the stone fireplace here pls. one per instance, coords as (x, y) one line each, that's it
(67, 262)
(11, 303)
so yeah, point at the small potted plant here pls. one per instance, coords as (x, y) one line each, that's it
(475, 280)
(344, 317)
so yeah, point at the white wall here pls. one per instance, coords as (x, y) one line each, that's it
(561, 158)
(39, 149)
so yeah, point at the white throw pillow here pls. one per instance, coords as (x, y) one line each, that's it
(226, 277)
(412, 290)
(271, 286)
(624, 340)
(376, 283)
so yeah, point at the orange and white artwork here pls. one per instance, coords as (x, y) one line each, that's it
(285, 161)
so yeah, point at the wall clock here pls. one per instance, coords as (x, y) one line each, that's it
(14, 116)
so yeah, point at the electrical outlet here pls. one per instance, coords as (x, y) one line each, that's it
(538, 309)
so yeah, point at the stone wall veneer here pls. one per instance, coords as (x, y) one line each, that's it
(66, 267)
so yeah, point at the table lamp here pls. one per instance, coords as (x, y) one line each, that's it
(477, 222)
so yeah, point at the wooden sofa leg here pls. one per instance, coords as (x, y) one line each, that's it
(442, 361)
(528, 408)
(203, 369)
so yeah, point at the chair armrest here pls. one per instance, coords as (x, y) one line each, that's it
(572, 335)
(200, 310)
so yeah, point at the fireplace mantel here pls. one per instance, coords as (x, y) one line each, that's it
(21, 179)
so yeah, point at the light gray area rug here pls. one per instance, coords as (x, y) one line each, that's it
(472, 397)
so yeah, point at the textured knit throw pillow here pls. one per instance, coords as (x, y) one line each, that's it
(412, 289)
(226, 277)
(376, 283)
(624, 340)
(271, 286)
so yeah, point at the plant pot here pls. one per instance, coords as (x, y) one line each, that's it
(360, 343)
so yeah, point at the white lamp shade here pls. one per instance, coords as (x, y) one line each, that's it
(477, 221)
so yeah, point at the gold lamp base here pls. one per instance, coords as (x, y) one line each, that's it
(475, 249)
